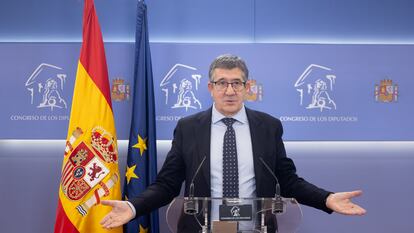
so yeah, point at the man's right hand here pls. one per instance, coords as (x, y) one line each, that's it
(120, 214)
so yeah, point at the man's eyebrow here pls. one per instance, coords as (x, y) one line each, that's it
(237, 79)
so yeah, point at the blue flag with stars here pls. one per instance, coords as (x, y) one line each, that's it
(142, 153)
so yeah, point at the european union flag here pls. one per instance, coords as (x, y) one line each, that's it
(142, 153)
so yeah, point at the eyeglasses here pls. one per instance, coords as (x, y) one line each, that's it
(222, 85)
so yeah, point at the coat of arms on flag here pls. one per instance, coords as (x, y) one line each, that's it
(86, 168)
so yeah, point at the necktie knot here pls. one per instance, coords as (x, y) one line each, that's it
(228, 121)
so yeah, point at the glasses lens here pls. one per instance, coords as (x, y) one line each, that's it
(237, 85)
(223, 85)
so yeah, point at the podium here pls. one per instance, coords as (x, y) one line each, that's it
(233, 215)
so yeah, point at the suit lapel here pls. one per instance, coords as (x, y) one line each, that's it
(203, 130)
(258, 140)
(256, 126)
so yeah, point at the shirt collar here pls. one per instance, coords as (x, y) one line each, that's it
(240, 116)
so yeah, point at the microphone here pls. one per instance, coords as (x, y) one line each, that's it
(191, 205)
(277, 204)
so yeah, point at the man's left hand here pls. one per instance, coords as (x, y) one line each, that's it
(342, 203)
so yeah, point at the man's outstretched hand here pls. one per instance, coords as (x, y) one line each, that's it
(342, 203)
(120, 214)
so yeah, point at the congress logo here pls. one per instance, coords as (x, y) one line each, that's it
(45, 86)
(235, 211)
(180, 86)
(386, 91)
(120, 90)
(315, 87)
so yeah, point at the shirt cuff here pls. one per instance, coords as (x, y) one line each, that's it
(134, 212)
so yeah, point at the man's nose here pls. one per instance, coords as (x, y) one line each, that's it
(230, 90)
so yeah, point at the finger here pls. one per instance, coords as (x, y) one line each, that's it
(112, 224)
(108, 203)
(105, 220)
(357, 193)
(354, 210)
(109, 222)
(106, 225)
(359, 210)
(353, 194)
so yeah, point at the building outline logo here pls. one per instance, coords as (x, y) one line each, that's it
(46, 85)
(316, 90)
(235, 211)
(180, 86)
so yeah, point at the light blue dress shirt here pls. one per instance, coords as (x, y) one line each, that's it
(247, 182)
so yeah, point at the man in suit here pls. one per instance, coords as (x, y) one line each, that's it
(250, 137)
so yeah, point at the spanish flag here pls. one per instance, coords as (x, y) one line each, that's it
(90, 163)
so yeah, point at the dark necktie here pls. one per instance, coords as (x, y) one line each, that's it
(230, 165)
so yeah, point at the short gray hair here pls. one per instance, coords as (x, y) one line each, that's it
(228, 62)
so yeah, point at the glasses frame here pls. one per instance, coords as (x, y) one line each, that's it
(227, 85)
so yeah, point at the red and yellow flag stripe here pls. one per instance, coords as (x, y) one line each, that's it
(90, 165)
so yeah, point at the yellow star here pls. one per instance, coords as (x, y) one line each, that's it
(141, 145)
(130, 173)
(142, 229)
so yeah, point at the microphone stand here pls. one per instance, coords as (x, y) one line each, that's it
(277, 202)
(191, 204)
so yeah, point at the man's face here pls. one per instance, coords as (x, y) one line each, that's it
(228, 101)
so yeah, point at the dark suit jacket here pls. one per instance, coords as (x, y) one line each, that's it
(192, 142)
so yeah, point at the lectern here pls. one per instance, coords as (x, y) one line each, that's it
(234, 215)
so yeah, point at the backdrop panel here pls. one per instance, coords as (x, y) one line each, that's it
(320, 92)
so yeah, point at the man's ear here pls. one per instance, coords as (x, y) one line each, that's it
(210, 88)
(247, 85)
